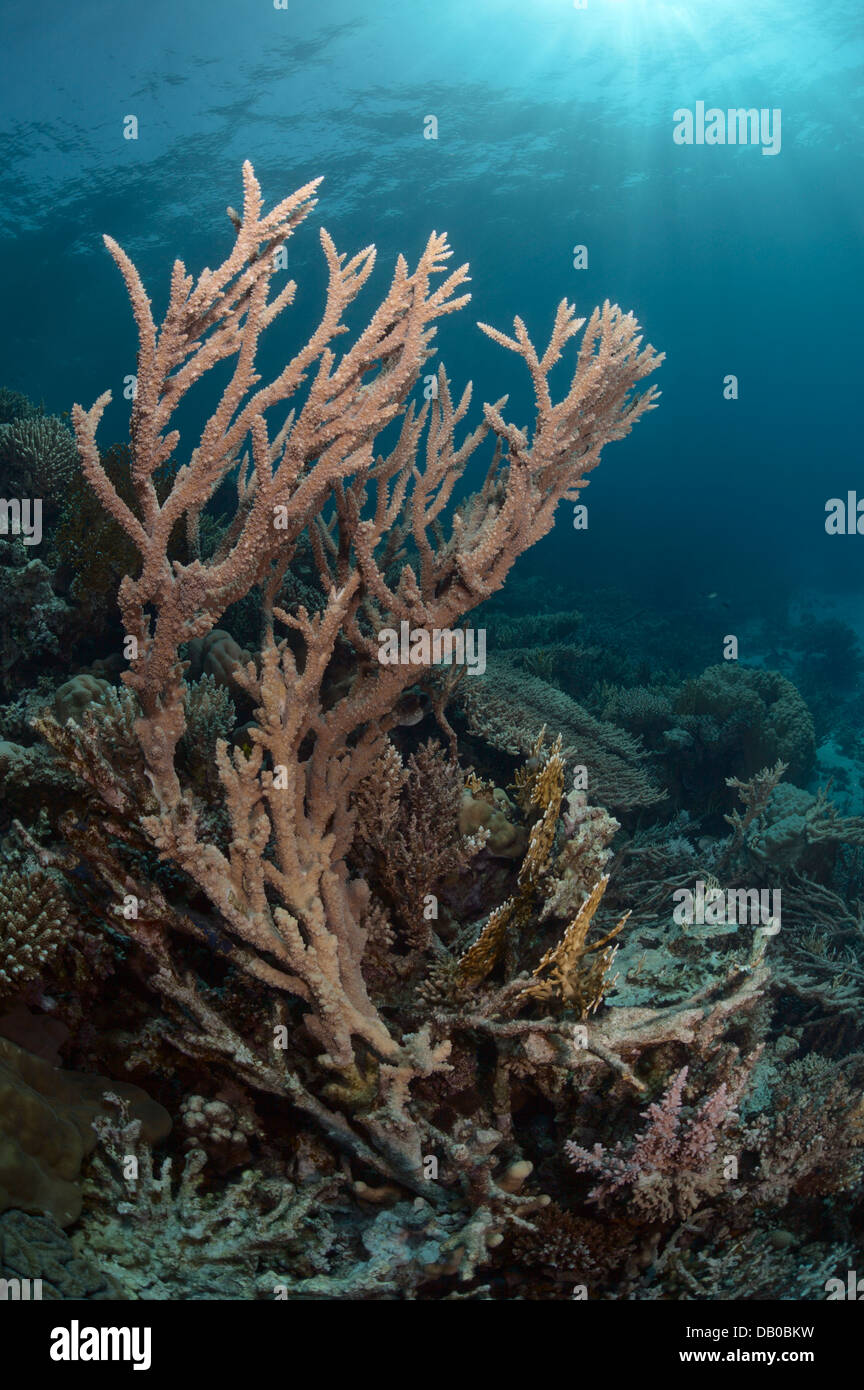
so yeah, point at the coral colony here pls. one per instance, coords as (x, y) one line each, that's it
(351, 947)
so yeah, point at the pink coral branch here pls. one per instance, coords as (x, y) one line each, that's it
(282, 888)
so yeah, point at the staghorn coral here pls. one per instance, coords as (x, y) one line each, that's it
(157, 1237)
(755, 794)
(784, 827)
(405, 1248)
(759, 1264)
(281, 897)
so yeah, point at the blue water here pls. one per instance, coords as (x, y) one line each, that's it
(555, 129)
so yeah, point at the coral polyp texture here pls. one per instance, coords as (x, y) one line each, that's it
(455, 978)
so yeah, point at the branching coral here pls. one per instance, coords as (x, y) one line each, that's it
(14, 405)
(574, 972)
(540, 786)
(408, 825)
(810, 1141)
(583, 858)
(37, 456)
(159, 1236)
(33, 913)
(782, 825)
(744, 719)
(35, 624)
(210, 718)
(94, 551)
(675, 1164)
(46, 1130)
(391, 546)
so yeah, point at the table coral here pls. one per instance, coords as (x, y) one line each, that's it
(508, 708)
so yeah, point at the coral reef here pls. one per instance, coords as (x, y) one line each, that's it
(280, 893)
(38, 459)
(673, 1167)
(158, 1238)
(36, 627)
(508, 710)
(327, 976)
(35, 1248)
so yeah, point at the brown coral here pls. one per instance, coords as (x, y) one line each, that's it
(33, 914)
(539, 789)
(411, 833)
(572, 971)
(46, 1130)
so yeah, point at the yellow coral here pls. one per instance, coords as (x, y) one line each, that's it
(539, 789)
(572, 978)
(480, 957)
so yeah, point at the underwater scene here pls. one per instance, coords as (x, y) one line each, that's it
(431, 653)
